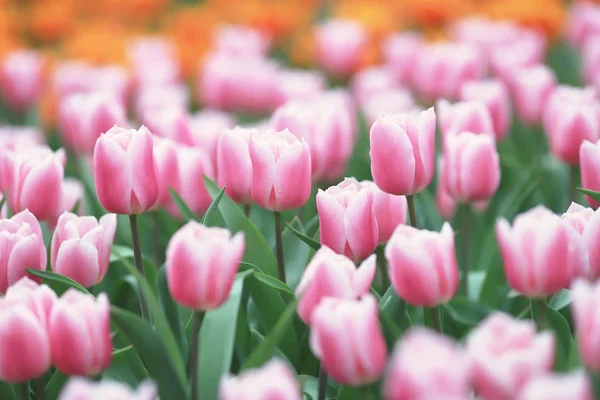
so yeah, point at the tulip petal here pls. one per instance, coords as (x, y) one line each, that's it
(113, 176)
(331, 222)
(78, 260)
(293, 177)
(360, 225)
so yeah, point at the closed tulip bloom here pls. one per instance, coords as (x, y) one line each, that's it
(125, 170)
(426, 365)
(505, 354)
(80, 333)
(402, 152)
(465, 116)
(371, 81)
(390, 101)
(389, 210)
(167, 170)
(280, 170)
(36, 185)
(471, 167)
(400, 52)
(583, 24)
(589, 162)
(78, 388)
(347, 219)
(531, 88)
(274, 381)
(346, 337)
(332, 275)
(587, 223)
(81, 247)
(299, 84)
(571, 116)
(422, 265)
(494, 96)
(21, 79)
(234, 163)
(21, 247)
(80, 77)
(83, 117)
(151, 100)
(590, 60)
(340, 45)
(240, 40)
(38, 298)
(584, 306)
(573, 386)
(541, 253)
(14, 139)
(201, 265)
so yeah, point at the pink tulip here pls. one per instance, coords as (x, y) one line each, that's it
(527, 50)
(280, 170)
(464, 116)
(206, 127)
(585, 303)
(274, 381)
(22, 245)
(37, 182)
(340, 45)
(573, 386)
(21, 79)
(426, 280)
(201, 265)
(442, 68)
(125, 170)
(347, 219)
(590, 60)
(571, 116)
(83, 117)
(425, 365)
(531, 88)
(79, 77)
(346, 337)
(81, 247)
(24, 341)
(402, 152)
(583, 23)
(372, 81)
(541, 252)
(332, 275)
(445, 203)
(167, 169)
(471, 167)
(151, 101)
(389, 210)
(505, 354)
(14, 139)
(154, 62)
(234, 163)
(243, 41)
(78, 388)
(73, 192)
(494, 95)
(79, 333)
(299, 85)
(587, 223)
(401, 52)
(389, 102)
(589, 159)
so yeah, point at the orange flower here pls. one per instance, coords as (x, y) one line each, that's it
(436, 12)
(544, 15)
(379, 17)
(101, 42)
(52, 20)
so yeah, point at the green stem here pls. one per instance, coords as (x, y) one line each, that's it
(40, 389)
(541, 317)
(156, 240)
(195, 353)
(247, 210)
(435, 318)
(24, 388)
(322, 383)
(279, 247)
(139, 263)
(410, 199)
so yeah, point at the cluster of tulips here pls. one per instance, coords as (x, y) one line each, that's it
(288, 241)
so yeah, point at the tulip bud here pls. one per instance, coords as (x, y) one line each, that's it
(201, 265)
(346, 337)
(494, 96)
(390, 101)
(14, 139)
(541, 252)
(402, 152)
(340, 46)
(429, 279)
(83, 117)
(234, 163)
(78, 388)
(370, 82)
(531, 88)
(299, 85)
(22, 247)
(332, 275)
(573, 386)
(464, 116)
(21, 79)
(589, 159)
(154, 62)
(280, 170)
(505, 354)
(471, 167)
(274, 380)
(584, 306)
(583, 24)
(400, 52)
(125, 170)
(347, 221)
(587, 223)
(80, 333)
(167, 170)
(426, 365)
(389, 210)
(79, 77)
(38, 298)
(81, 247)
(37, 182)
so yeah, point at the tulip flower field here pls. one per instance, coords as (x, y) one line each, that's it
(407, 214)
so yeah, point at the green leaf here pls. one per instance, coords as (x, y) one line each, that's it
(7, 391)
(274, 283)
(264, 351)
(54, 385)
(59, 283)
(258, 251)
(308, 240)
(74, 209)
(349, 393)
(560, 300)
(217, 340)
(392, 314)
(310, 387)
(591, 193)
(466, 312)
(296, 254)
(558, 323)
(126, 364)
(171, 310)
(122, 254)
(212, 209)
(153, 352)
(185, 211)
